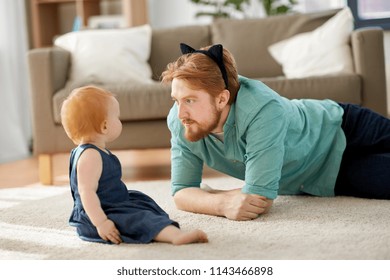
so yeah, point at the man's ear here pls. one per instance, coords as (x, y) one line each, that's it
(103, 127)
(223, 99)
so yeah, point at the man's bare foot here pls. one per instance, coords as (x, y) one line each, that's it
(195, 236)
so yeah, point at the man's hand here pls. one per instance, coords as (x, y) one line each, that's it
(108, 231)
(242, 207)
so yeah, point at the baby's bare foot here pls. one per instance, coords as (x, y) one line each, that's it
(195, 236)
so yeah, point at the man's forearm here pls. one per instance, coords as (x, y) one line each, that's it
(199, 201)
(231, 204)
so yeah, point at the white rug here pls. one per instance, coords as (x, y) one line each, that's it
(34, 225)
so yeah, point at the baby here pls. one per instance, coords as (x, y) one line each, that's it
(104, 210)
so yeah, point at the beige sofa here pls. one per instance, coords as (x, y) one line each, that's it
(144, 107)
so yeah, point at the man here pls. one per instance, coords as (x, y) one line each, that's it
(243, 128)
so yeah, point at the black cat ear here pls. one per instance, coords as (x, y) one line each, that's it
(217, 52)
(186, 48)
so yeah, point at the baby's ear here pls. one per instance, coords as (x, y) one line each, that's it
(103, 127)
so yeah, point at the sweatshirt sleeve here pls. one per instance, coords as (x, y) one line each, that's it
(265, 150)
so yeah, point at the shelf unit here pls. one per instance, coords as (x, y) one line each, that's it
(45, 16)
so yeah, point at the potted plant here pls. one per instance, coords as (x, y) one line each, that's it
(224, 8)
(276, 7)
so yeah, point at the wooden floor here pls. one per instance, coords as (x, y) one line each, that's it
(137, 165)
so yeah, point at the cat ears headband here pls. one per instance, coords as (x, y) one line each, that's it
(215, 52)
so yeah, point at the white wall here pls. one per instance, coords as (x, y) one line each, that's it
(170, 13)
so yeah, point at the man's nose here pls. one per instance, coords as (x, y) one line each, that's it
(182, 113)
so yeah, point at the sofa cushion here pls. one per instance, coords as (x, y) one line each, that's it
(165, 44)
(109, 55)
(341, 87)
(249, 39)
(325, 50)
(137, 101)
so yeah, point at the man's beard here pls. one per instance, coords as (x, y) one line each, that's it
(198, 131)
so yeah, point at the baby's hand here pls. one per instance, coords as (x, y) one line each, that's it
(108, 231)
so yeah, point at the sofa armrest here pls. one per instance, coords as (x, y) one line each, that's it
(49, 63)
(48, 71)
(368, 54)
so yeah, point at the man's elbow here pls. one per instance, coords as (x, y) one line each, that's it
(185, 199)
(178, 199)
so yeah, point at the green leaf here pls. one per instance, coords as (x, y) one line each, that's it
(282, 9)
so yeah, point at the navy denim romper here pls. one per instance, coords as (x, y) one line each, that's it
(137, 216)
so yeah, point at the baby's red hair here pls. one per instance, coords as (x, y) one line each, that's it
(84, 112)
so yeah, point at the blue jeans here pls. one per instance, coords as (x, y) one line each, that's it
(365, 167)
